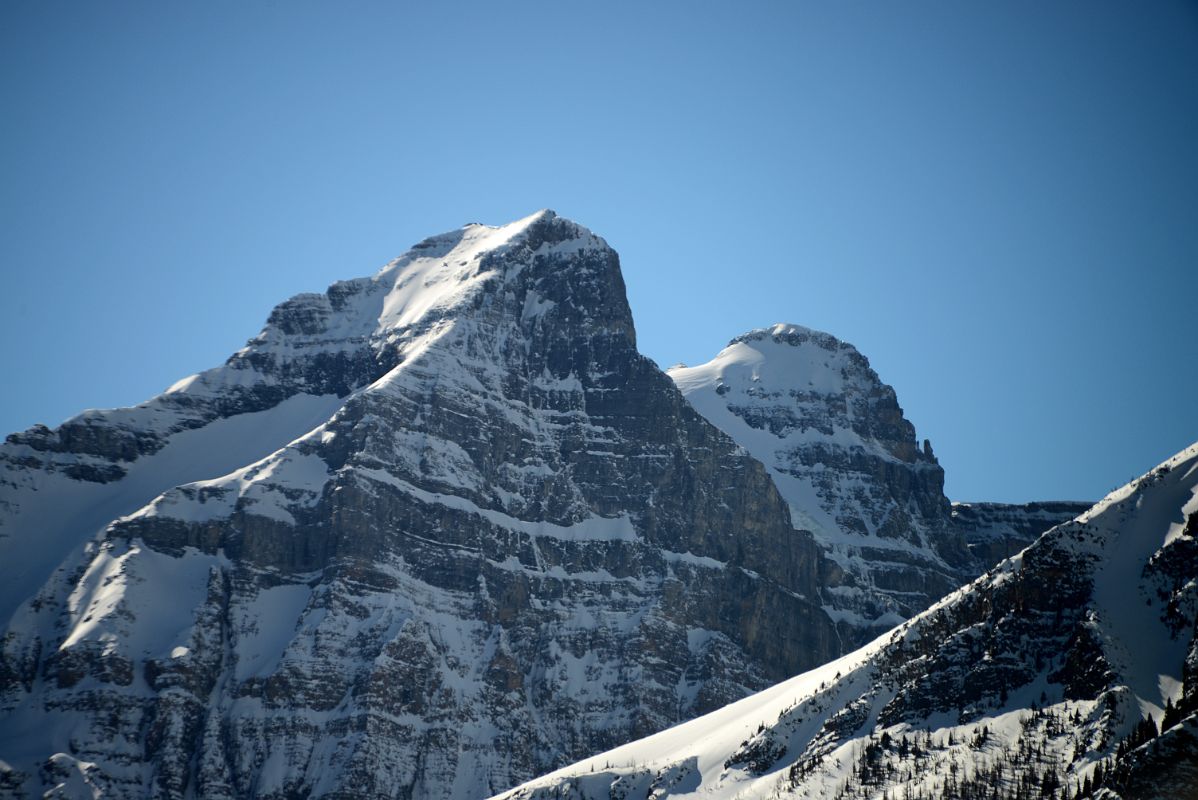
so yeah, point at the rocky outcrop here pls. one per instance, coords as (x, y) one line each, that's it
(429, 534)
(994, 531)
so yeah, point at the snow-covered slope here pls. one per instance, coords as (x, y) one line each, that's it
(847, 462)
(430, 533)
(52, 501)
(1049, 676)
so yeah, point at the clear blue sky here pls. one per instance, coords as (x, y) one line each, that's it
(996, 202)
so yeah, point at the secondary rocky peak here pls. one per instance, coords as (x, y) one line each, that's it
(797, 365)
(835, 439)
(794, 335)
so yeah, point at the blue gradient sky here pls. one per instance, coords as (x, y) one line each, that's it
(996, 202)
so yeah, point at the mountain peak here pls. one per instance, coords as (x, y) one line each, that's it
(441, 277)
(810, 407)
(788, 358)
(475, 239)
(784, 358)
(792, 334)
(520, 224)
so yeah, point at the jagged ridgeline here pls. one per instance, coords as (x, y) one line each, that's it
(429, 534)
(1068, 671)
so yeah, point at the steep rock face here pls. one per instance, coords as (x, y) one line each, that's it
(429, 534)
(994, 531)
(846, 460)
(1069, 668)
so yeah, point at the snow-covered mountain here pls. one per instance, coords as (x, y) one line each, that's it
(1069, 670)
(847, 462)
(439, 530)
(429, 534)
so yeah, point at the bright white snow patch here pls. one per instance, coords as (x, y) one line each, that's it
(119, 602)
